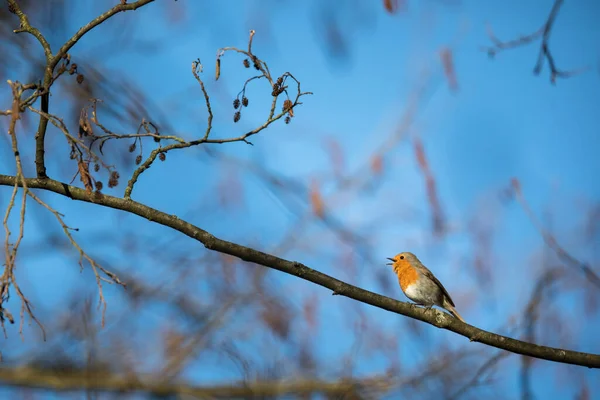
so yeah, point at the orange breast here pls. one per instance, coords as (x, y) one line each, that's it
(407, 275)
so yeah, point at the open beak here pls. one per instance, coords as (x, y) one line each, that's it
(392, 261)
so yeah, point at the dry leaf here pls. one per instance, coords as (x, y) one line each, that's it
(316, 200)
(516, 185)
(391, 6)
(85, 127)
(432, 196)
(420, 153)
(449, 70)
(377, 164)
(310, 312)
(276, 317)
(584, 393)
(84, 175)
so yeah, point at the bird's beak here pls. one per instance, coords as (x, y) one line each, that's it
(392, 261)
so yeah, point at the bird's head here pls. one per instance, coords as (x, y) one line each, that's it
(402, 258)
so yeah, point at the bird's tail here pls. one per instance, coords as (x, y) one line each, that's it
(452, 310)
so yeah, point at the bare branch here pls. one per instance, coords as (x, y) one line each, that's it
(8, 276)
(26, 27)
(96, 267)
(433, 317)
(53, 60)
(278, 88)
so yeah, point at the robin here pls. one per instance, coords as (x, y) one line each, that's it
(418, 283)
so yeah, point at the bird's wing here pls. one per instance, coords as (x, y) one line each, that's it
(428, 274)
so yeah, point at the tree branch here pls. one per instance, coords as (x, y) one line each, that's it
(26, 27)
(41, 132)
(544, 54)
(73, 379)
(53, 60)
(432, 317)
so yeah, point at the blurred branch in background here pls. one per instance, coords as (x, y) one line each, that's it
(74, 379)
(544, 54)
(549, 239)
(530, 320)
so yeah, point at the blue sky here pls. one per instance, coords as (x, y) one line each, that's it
(503, 122)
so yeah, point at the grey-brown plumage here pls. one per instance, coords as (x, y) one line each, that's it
(420, 285)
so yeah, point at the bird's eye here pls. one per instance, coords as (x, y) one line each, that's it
(402, 257)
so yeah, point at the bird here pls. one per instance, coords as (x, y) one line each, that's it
(420, 285)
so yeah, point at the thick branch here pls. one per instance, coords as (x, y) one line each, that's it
(433, 317)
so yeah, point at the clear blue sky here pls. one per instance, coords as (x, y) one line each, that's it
(503, 122)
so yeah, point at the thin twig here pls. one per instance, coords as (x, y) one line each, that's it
(8, 277)
(84, 256)
(196, 71)
(475, 380)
